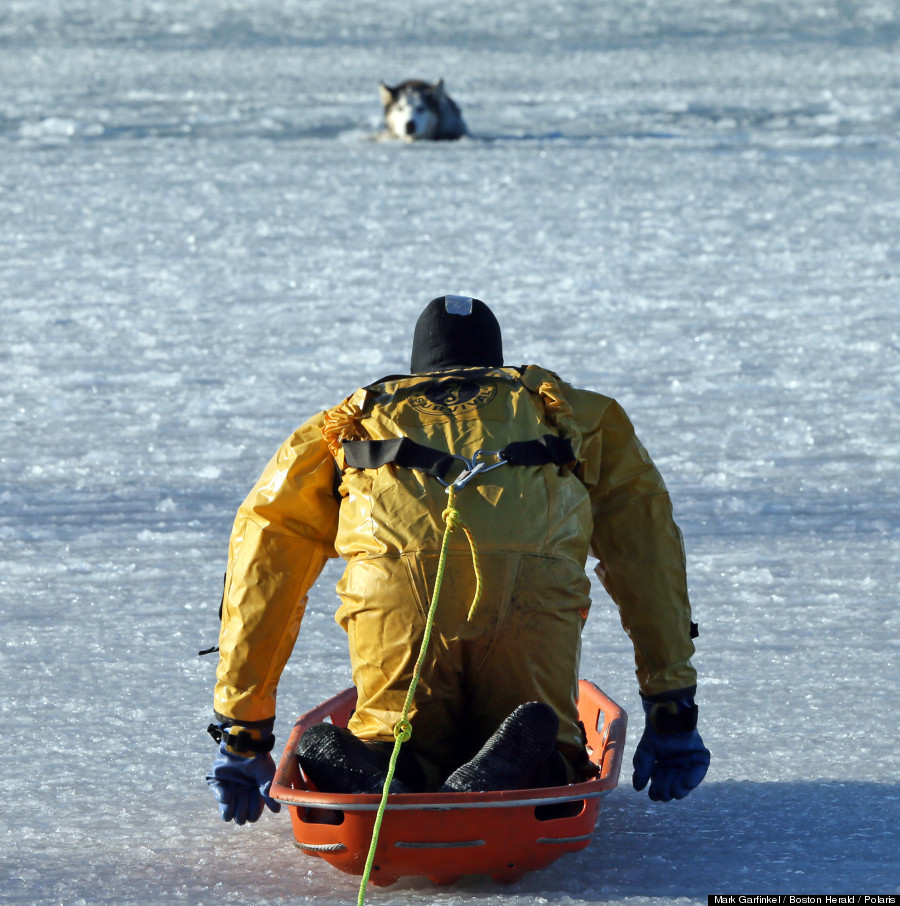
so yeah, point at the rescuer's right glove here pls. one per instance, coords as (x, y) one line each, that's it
(671, 754)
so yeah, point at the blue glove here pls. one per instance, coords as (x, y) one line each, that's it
(240, 779)
(671, 754)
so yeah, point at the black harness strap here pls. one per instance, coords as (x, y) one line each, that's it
(371, 454)
(539, 452)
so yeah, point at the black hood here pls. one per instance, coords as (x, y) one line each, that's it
(456, 332)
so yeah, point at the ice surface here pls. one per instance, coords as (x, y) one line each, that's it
(691, 206)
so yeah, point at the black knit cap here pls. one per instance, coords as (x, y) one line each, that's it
(456, 332)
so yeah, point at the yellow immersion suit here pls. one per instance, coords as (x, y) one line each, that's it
(533, 525)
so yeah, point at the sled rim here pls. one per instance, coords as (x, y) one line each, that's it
(285, 789)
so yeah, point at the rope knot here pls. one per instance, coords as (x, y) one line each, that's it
(452, 517)
(402, 730)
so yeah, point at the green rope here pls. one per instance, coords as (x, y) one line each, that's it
(403, 728)
(454, 520)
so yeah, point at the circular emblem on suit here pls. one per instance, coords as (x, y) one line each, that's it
(454, 396)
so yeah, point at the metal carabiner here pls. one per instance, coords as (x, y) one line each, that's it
(467, 475)
(477, 465)
(468, 465)
(499, 459)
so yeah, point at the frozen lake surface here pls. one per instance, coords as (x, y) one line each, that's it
(690, 206)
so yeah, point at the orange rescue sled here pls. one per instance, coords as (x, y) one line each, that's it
(444, 836)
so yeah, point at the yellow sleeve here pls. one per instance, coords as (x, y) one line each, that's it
(638, 544)
(282, 536)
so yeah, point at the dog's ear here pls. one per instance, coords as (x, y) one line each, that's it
(438, 87)
(387, 94)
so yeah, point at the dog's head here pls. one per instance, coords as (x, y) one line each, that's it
(412, 109)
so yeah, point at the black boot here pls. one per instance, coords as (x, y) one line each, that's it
(521, 754)
(338, 762)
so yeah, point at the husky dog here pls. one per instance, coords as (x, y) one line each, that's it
(415, 110)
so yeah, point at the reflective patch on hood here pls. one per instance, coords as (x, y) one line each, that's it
(458, 305)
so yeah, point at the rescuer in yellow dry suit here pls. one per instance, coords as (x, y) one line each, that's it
(554, 473)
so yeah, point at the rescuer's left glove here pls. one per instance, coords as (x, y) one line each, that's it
(671, 754)
(242, 772)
